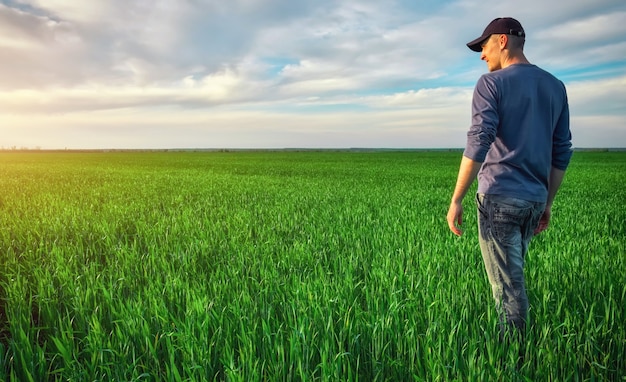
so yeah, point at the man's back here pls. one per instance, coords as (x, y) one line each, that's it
(520, 129)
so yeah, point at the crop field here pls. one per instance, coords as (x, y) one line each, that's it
(289, 266)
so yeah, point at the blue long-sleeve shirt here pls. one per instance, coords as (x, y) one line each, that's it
(520, 129)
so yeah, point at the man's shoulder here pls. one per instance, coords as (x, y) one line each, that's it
(521, 72)
(527, 70)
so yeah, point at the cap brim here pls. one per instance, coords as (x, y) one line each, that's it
(475, 44)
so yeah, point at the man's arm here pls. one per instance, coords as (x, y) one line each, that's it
(467, 173)
(554, 183)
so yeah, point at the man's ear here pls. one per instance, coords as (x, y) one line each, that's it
(503, 40)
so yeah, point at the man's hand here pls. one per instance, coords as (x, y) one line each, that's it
(467, 173)
(455, 218)
(544, 221)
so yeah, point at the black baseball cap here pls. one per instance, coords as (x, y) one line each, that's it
(501, 25)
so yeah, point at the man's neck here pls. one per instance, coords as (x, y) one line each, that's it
(512, 59)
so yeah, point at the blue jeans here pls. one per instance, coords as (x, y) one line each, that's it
(505, 227)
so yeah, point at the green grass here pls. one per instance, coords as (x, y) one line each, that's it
(292, 266)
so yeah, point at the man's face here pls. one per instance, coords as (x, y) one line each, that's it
(491, 53)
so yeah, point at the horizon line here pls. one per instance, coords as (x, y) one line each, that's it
(243, 149)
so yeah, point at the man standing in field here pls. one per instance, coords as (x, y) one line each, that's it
(519, 146)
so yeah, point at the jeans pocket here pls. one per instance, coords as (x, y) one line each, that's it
(533, 220)
(507, 223)
(480, 205)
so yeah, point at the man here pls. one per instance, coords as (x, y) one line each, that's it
(519, 145)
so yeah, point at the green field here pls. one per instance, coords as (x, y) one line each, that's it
(328, 266)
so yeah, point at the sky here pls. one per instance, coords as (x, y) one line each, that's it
(159, 74)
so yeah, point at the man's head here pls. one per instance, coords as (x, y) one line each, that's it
(502, 40)
(502, 25)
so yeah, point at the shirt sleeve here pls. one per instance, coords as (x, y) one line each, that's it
(485, 120)
(562, 139)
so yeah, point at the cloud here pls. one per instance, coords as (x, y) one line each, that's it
(584, 42)
(225, 127)
(70, 10)
(597, 112)
(215, 89)
(278, 72)
(424, 118)
(35, 49)
(598, 97)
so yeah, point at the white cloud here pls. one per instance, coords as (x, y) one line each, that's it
(598, 97)
(84, 12)
(214, 89)
(588, 30)
(233, 128)
(362, 72)
(582, 42)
